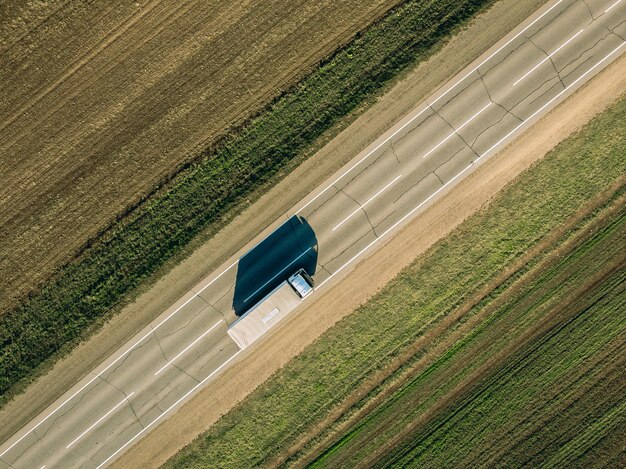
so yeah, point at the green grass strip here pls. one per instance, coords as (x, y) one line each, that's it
(54, 319)
(302, 392)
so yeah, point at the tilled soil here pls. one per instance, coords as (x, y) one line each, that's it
(100, 102)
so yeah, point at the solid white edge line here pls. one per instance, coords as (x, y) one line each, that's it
(116, 360)
(100, 419)
(469, 166)
(168, 409)
(367, 202)
(296, 213)
(551, 101)
(410, 121)
(282, 270)
(188, 347)
(548, 57)
(612, 6)
(454, 132)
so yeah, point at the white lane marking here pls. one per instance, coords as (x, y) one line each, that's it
(187, 348)
(612, 6)
(428, 106)
(300, 210)
(388, 230)
(117, 359)
(366, 203)
(168, 409)
(454, 132)
(469, 166)
(282, 270)
(100, 419)
(548, 57)
(356, 256)
(552, 100)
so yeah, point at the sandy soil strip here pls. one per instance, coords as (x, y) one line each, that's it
(373, 273)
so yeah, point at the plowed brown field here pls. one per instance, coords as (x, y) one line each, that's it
(100, 102)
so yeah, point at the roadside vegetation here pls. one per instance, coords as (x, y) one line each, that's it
(538, 381)
(501, 344)
(209, 193)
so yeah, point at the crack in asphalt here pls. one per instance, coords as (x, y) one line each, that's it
(589, 10)
(509, 111)
(184, 326)
(362, 209)
(159, 343)
(456, 133)
(558, 73)
(393, 151)
(346, 249)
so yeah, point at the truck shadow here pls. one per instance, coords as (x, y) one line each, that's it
(291, 247)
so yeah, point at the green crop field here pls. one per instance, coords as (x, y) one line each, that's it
(500, 308)
(206, 195)
(538, 381)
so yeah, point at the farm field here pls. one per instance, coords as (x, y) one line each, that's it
(534, 379)
(206, 195)
(552, 219)
(102, 102)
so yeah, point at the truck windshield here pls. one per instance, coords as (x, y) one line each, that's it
(300, 284)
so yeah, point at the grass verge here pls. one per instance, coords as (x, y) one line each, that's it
(426, 294)
(527, 381)
(208, 194)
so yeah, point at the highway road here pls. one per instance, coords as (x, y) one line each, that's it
(519, 79)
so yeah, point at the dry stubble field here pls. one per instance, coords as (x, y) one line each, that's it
(101, 102)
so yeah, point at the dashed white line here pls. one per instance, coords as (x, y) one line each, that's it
(548, 57)
(187, 348)
(366, 203)
(612, 6)
(167, 410)
(100, 419)
(352, 259)
(455, 131)
(410, 121)
(551, 101)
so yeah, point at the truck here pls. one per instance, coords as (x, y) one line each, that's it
(265, 314)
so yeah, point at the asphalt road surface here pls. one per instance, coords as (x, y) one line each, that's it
(476, 113)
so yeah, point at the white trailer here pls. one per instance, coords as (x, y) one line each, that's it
(270, 310)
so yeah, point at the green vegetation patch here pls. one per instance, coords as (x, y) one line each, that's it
(524, 213)
(537, 382)
(210, 192)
